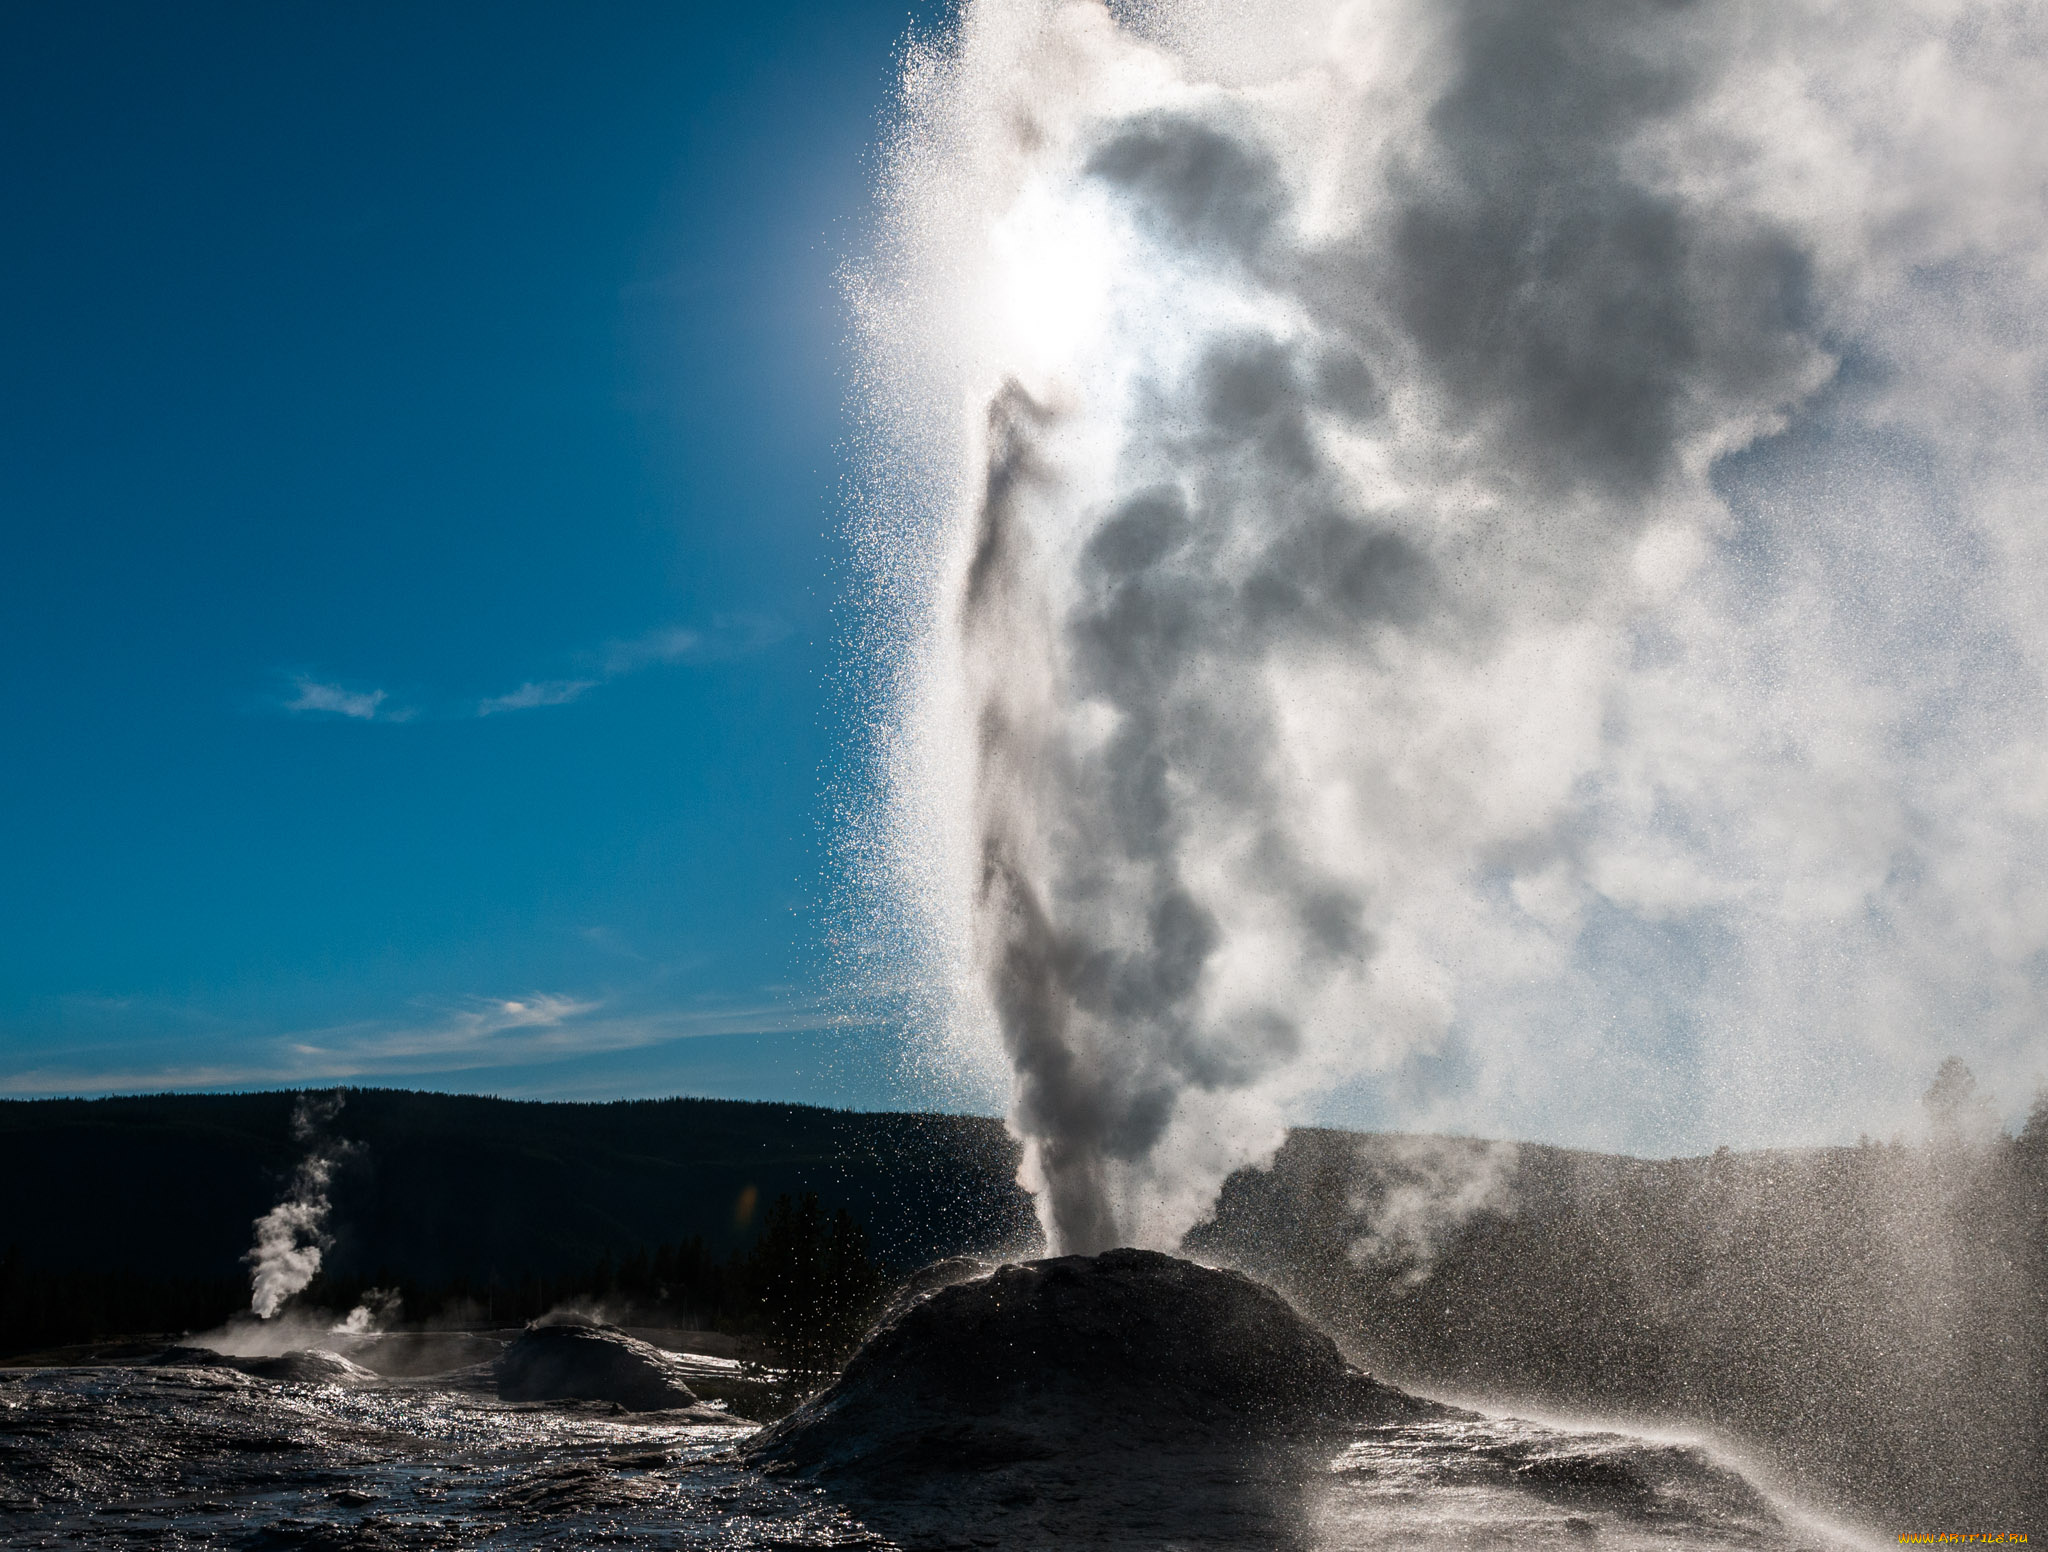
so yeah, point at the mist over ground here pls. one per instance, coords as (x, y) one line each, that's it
(1865, 1324)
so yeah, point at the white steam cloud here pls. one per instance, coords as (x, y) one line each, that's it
(1411, 1194)
(292, 1237)
(1481, 556)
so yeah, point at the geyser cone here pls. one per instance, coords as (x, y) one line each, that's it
(1084, 1395)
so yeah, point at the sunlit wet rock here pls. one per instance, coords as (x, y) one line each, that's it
(107, 1459)
(301, 1366)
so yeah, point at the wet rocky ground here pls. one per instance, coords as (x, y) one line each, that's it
(1130, 1401)
(128, 1457)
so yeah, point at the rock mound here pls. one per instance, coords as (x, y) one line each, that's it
(182, 1355)
(1128, 1351)
(308, 1366)
(301, 1366)
(573, 1360)
(928, 1280)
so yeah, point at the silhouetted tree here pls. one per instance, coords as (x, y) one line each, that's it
(814, 1287)
(1957, 1112)
(2034, 1134)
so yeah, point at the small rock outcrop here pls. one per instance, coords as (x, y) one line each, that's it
(573, 1360)
(301, 1366)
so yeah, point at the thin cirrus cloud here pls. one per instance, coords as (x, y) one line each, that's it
(337, 700)
(673, 644)
(541, 692)
(656, 649)
(531, 1031)
(729, 636)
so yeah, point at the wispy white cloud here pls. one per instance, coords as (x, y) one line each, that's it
(536, 692)
(534, 1030)
(485, 1026)
(313, 696)
(670, 644)
(728, 636)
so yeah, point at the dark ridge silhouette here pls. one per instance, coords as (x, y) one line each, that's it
(444, 1186)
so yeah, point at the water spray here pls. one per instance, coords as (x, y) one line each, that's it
(1471, 558)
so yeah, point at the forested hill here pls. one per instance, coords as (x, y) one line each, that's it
(1875, 1318)
(438, 1186)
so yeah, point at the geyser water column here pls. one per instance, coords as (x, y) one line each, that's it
(1357, 523)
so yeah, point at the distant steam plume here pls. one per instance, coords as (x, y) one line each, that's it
(1478, 558)
(1412, 1194)
(292, 1237)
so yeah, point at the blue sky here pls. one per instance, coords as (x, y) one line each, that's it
(420, 461)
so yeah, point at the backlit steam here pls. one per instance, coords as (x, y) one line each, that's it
(292, 1237)
(1414, 1193)
(1474, 554)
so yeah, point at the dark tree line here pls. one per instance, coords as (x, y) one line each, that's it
(41, 1308)
(805, 1288)
(813, 1289)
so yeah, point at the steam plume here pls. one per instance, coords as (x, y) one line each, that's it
(1488, 568)
(1412, 1193)
(292, 1237)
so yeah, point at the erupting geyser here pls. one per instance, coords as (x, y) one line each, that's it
(1445, 547)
